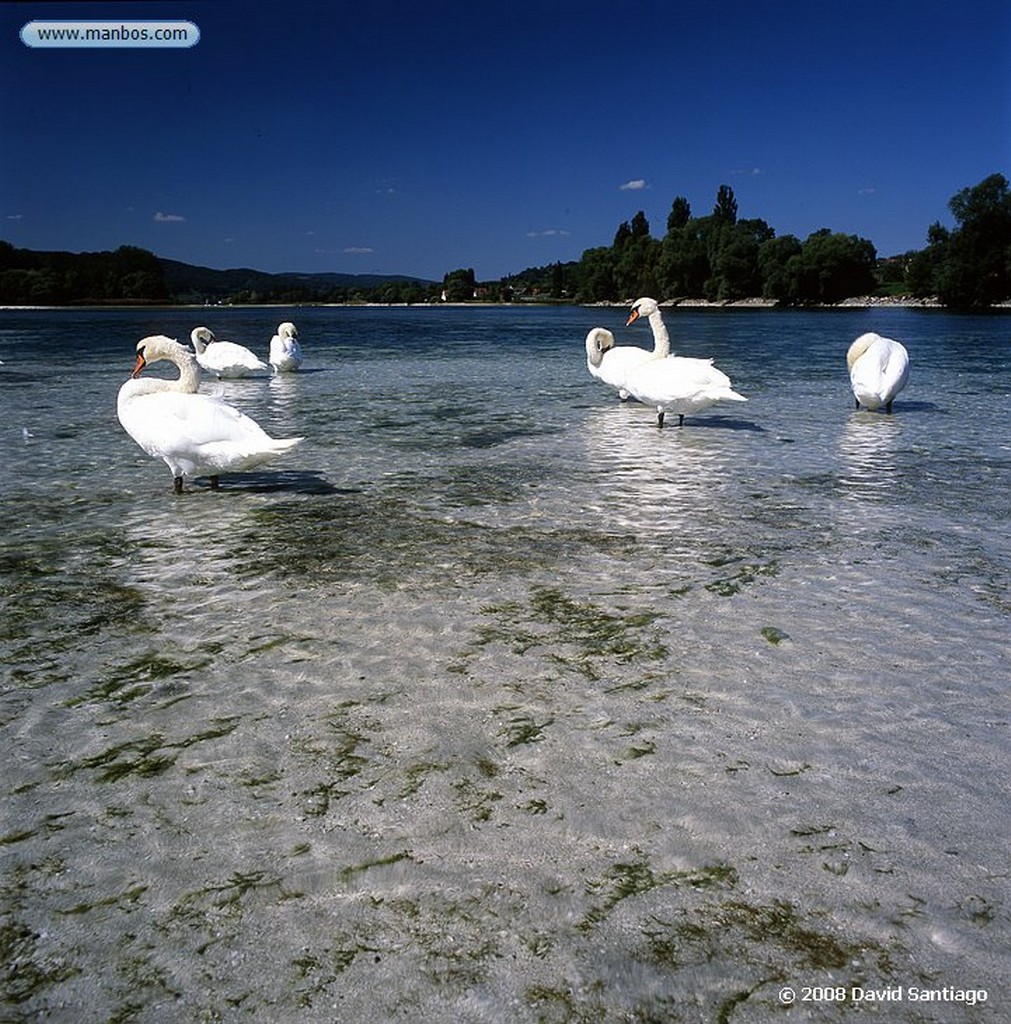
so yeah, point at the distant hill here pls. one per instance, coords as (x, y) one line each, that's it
(134, 276)
(186, 280)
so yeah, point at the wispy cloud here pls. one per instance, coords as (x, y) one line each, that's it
(867, 191)
(15, 216)
(751, 172)
(358, 250)
(168, 218)
(549, 233)
(635, 185)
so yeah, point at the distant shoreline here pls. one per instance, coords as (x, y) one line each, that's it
(858, 302)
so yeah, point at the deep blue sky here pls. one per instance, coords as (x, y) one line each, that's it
(405, 137)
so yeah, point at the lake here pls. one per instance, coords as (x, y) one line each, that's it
(492, 701)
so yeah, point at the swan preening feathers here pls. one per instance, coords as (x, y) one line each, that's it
(285, 352)
(195, 435)
(879, 370)
(671, 384)
(225, 359)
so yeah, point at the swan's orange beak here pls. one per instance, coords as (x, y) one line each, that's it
(632, 317)
(139, 365)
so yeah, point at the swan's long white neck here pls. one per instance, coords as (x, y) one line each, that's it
(661, 339)
(187, 383)
(189, 375)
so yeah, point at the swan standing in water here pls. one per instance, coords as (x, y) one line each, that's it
(675, 384)
(879, 369)
(285, 351)
(196, 435)
(225, 359)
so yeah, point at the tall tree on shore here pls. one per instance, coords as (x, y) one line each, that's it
(725, 210)
(970, 266)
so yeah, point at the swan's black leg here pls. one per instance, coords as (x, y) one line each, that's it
(215, 483)
(681, 419)
(177, 485)
(888, 408)
(659, 418)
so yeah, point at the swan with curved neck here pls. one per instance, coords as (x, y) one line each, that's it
(225, 359)
(879, 370)
(611, 363)
(675, 384)
(195, 435)
(285, 351)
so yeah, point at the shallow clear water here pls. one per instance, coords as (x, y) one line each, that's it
(494, 702)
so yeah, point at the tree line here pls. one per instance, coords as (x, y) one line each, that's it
(127, 275)
(720, 257)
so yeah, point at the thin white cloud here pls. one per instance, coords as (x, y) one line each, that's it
(868, 191)
(168, 218)
(549, 233)
(15, 216)
(358, 250)
(752, 172)
(635, 185)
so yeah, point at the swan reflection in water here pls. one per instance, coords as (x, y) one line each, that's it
(869, 449)
(649, 481)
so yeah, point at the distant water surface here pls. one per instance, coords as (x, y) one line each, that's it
(495, 702)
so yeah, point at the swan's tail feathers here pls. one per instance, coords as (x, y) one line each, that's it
(280, 445)
(729, 395)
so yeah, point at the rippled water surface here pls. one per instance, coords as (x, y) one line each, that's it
(493, 702)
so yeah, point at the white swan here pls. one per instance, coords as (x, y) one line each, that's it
(879, 369)
(611, 363)
(675, 384)
(225, 359)
(196, 435)
(285, 351)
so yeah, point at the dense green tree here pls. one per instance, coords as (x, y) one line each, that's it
(459, 285)
(921, 272)
(831, 267)
(972, 264)
(622, 236)
(774, 255)
(725, 210)
(682, 267)
(635, 260)
(596, 273)
(733, 259)
(680, 214)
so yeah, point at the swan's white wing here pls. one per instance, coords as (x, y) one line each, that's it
(228, 359)
(681, 384)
